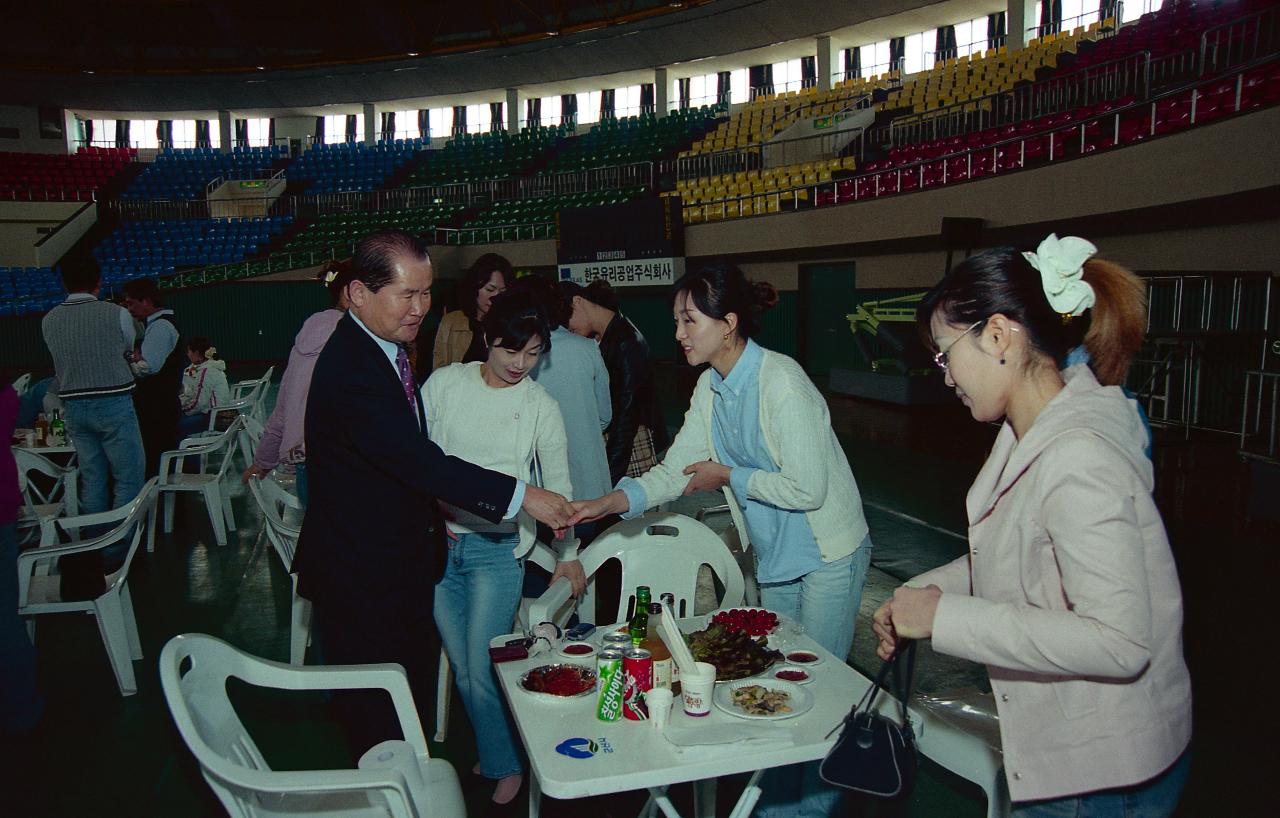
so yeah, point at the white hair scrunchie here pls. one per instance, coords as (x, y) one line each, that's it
(330, 277)
(1061, 265)
(210, 351)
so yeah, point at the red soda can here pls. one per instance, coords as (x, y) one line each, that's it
(637, 672)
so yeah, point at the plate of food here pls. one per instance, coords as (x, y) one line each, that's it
(764, 699)
(559, 681)
(751, 621)
(735, 654)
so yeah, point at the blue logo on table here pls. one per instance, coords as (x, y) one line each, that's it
(579, 747)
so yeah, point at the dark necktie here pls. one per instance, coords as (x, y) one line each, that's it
(406, 380)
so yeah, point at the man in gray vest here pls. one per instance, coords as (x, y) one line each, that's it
(158, 365)
(88, 340)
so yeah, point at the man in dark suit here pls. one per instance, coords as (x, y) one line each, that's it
(372, 545)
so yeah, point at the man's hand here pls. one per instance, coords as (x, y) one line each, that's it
(252, 472)
(585, 511)
(547, 507)
(706, 475)
(573, 570)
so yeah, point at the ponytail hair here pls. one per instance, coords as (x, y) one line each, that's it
(335, 276)
(1117, 321)
(203, 348)
(720, 288)
(1002, 281)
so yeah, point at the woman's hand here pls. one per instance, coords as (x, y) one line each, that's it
(572, 569)
(706, 475)
(908, 615)
(252, 472)
(585, 511)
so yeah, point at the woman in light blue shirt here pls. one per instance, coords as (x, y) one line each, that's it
(758, 429)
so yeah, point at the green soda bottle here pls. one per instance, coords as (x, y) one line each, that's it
(640, 619)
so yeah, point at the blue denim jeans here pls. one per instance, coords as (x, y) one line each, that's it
(475, 601)
(108, 445)
(826, 603)
(1157, 798)
(20, 704)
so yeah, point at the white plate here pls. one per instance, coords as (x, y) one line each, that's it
(786, 658)
(774, 671)
(587, 671)
(801, 699)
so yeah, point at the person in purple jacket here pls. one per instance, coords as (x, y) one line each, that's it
(282, 440)
(20, 704)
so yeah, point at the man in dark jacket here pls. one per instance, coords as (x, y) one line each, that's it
(158, 365)
(372, 546)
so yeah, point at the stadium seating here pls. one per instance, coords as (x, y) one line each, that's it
(351, 166)
(478, 157)
(344, 229)
(628, 140)
(522, 219)
(27, 290)
(184, 173)
(60, 177)
(159, 248)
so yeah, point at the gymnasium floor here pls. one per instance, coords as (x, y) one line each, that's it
(98, 754)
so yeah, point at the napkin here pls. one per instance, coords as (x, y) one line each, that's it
(684, 731)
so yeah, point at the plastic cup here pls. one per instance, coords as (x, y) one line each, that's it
(659, 701)
(697, 687)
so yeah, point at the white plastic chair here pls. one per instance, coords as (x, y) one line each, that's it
(173, 480)
(41, 507)
(394, 778)
(964, 753)
(249, 437)
(240, 388)
(247, 404)
(660, 549)
(741, 553)
(541, 556)
(22, 383)
(273, 501)
(39, 589)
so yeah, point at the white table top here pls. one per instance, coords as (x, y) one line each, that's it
(630, 755)
(47, 450)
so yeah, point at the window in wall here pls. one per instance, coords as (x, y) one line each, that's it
(184, 133)
(551, 111)
(407, 125)
(260, 131)
(479, 117)
(439, 122)
(104, 132)
(786, 75)
(919, 51)
(335, 128)
(739, 87)
(875, 58)
(626, 101)
(971, 36)
(143, 133)
(588, 107)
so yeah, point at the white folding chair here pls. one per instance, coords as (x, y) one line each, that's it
(39, 590)
(42, 504)
(662, 550)
(275, 504)
(174, 480)
(22, 383)
(544, 558)
(394, 778)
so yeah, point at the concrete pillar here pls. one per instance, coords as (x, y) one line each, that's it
(661, 91)
(824, 63)
(371, 124)
(513, 110)
(224, 130)
(1020, 16)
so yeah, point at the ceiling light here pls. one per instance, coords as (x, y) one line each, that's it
(413, 53)
(262, 68)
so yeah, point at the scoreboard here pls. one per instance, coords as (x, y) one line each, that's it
(632, 244)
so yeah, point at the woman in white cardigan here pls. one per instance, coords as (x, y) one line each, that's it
(495, 416)
(758, 429)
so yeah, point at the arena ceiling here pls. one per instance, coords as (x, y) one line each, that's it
(140, 37)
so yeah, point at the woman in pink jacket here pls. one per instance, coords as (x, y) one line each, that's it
(1069, 594)
(282, 439)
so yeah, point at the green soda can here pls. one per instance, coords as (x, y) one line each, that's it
(609, 685)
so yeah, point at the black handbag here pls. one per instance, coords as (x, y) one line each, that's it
(874, 755)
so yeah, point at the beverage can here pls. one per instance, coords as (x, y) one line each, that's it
(619, 640)
(609, 685)
(637, 670)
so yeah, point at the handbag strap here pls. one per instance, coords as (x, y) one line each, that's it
(902, 685)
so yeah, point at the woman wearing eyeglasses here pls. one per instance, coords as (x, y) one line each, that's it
(1069, 594)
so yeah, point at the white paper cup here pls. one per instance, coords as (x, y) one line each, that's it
(659, 702)
(697, 687)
